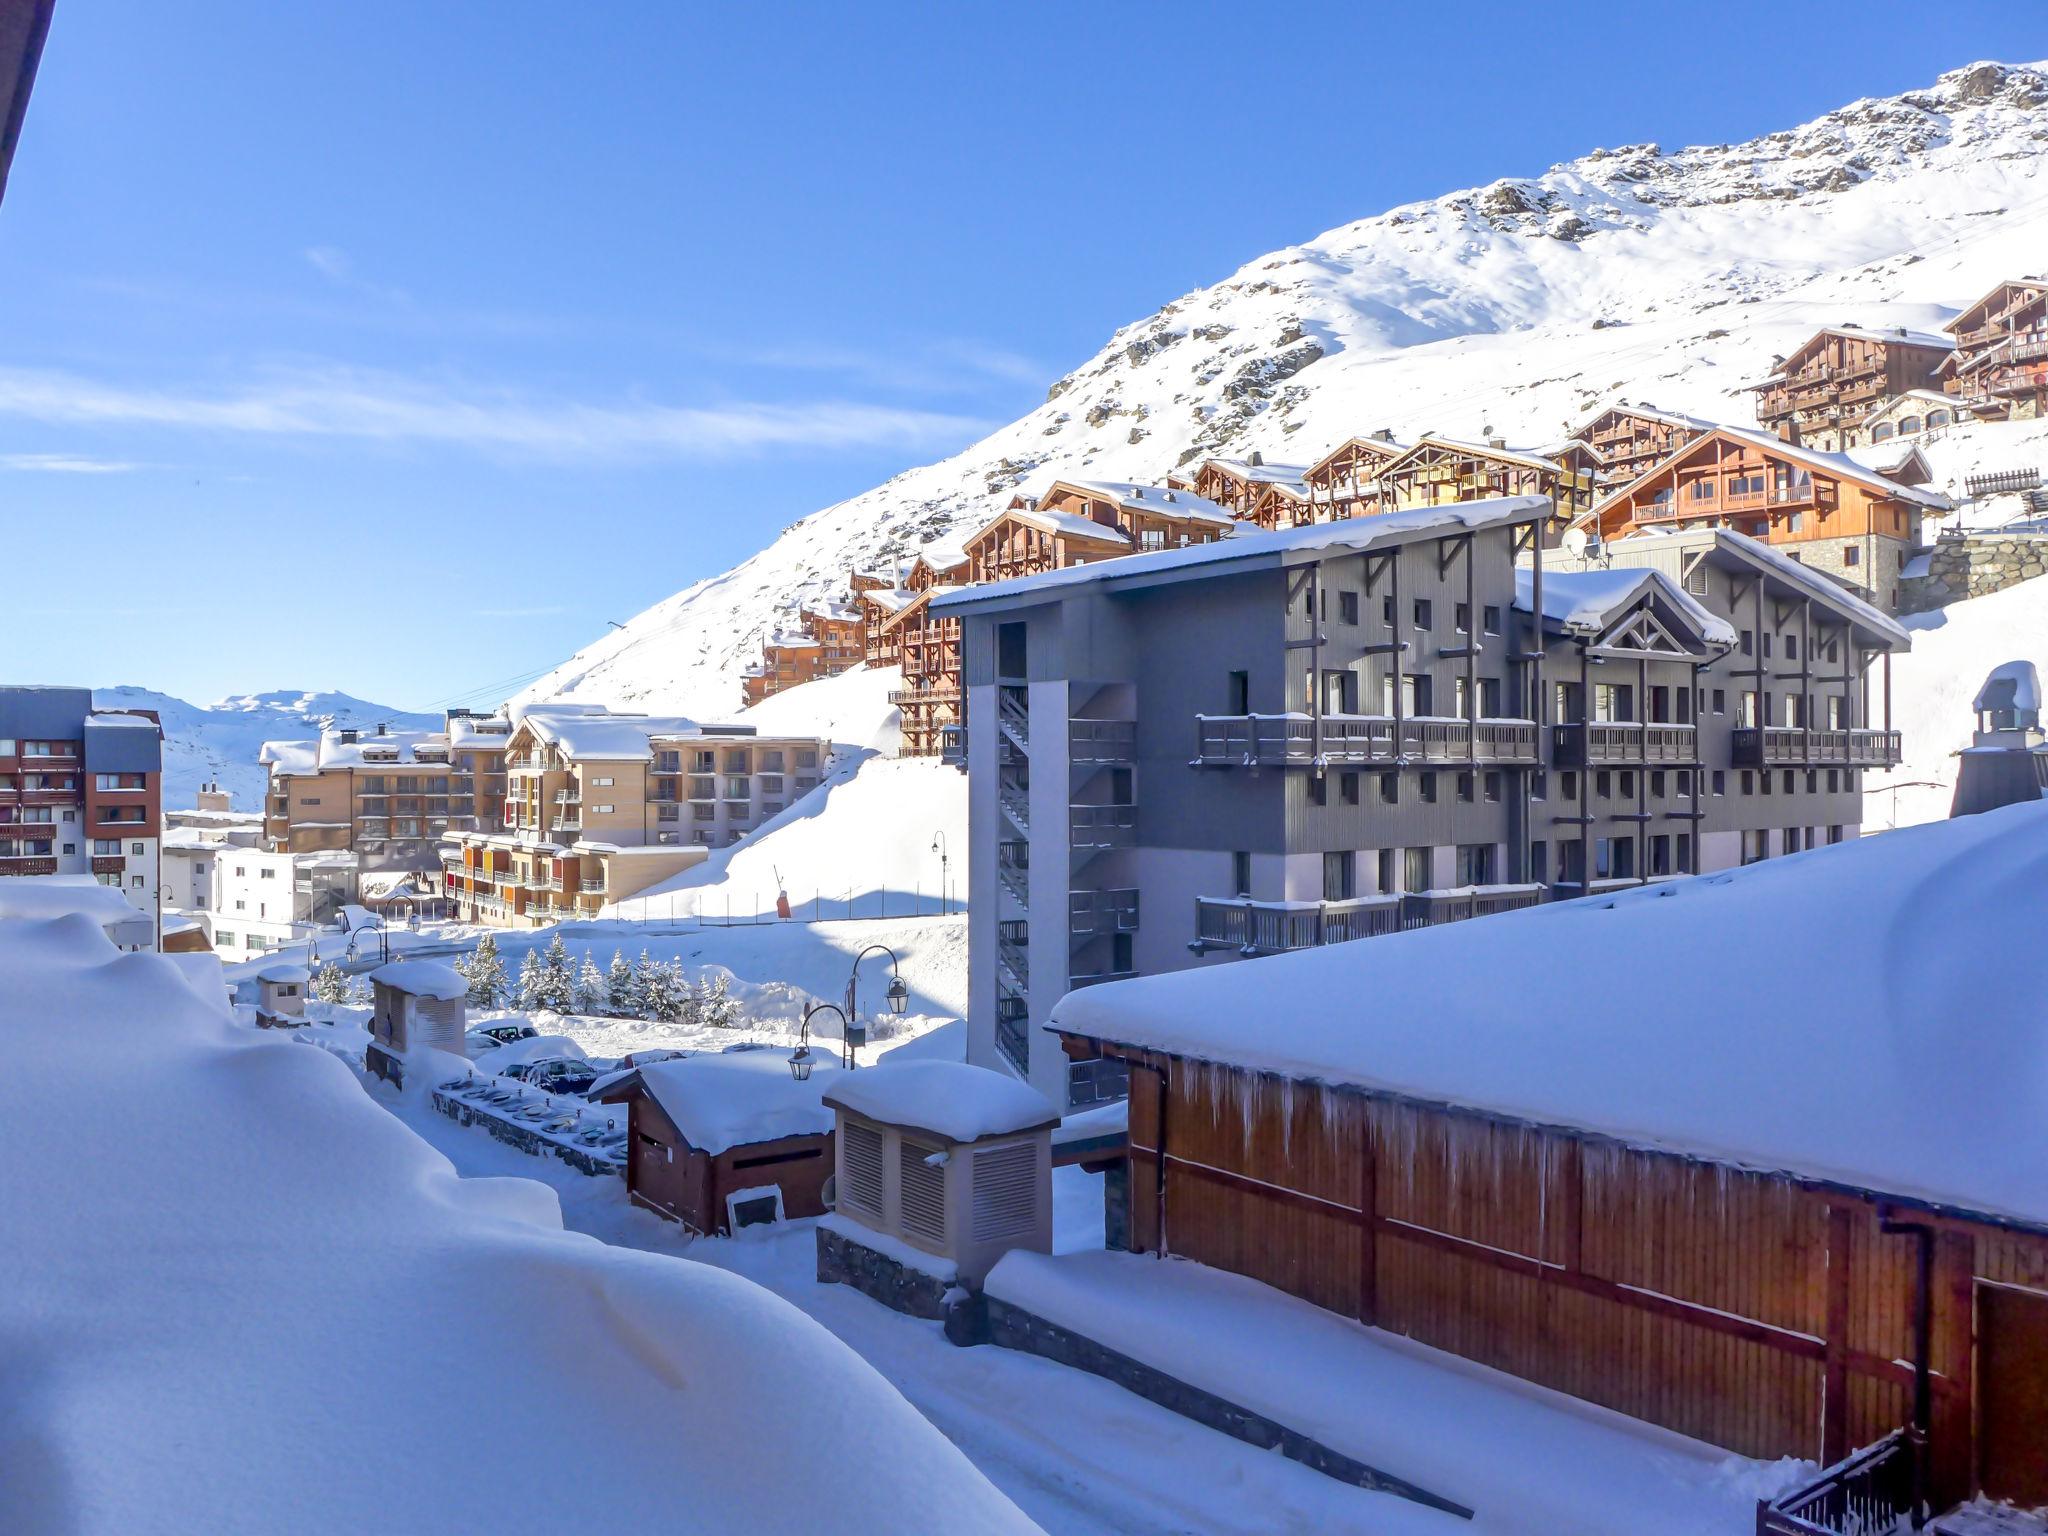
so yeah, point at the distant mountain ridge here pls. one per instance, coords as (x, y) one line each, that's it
(1513, 308)
(219, 741)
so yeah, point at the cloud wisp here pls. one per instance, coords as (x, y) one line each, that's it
(347, 403)
(64, 464)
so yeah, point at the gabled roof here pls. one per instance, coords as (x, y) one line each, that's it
(1068, 525)
(1838, 466)
(605, 736)
(1385, 447)
(123, 744)
(1153, 500)
(1896, 337)
(1259, 474)
(1647, 412)
(1587, 603)
(1962, 319)
(1434, 440)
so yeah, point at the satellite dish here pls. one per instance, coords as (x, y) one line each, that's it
(1573, 542)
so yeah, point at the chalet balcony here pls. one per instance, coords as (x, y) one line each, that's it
(1790, 746)
(27, 865)
(1102, 826)
(108, 864)
(1091, 913)
(1290, 740)
(1102, 741)
(1599, 743)
(942, 693)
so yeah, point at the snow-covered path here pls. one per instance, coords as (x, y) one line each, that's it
(1079, 1455)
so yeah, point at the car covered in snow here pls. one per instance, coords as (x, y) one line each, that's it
(559, 1074)
(488, 1037)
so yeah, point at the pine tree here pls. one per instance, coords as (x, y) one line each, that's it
(621, 990)
(485, 973)
(668, 997)
(532, 989)
(330, 984)
(590, 992)
(715, 1005)
(645, 985)
(557, 978)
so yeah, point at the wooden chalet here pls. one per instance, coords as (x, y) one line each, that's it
(1437, 471)
(1778, 492)
(1820, 394)
(788, 658)
(2001, 354)
(725, 1140)
(1631, 438)
(1916, 415)
(1239, 485)
(1782, 1252)
(1340, 483)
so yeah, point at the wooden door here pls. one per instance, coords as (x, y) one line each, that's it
(2012, 1394)
(1147, 1157)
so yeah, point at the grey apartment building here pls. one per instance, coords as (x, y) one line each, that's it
(1334, 732)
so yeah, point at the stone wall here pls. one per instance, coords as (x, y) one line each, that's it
(1972, 565)
(525, 1138)
(1014, 1328)
(841, 1261)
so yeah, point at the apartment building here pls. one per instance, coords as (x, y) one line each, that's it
(1632, 438)
(1819, 395)
(830, 637)
(902, 631)
(388, 797)
(2001, 350)
(1442, 471)
(1252, 490)
(1298, 738)
(1342, 482)
(81, 790)
(1825, 509)
(603, 805)
(260, 899)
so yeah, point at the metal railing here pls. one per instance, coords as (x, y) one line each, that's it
(1016, 803)
(1291, 740)
(1102, 741)
(1428, 909)
(1096, 912)
(1865, 1494)
(1270, 927)
(1102, 826)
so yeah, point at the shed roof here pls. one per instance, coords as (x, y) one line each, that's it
(950, 1099)
(34, 713)
(422, 978)
(123, 744)
(1909, 1064)
(735, 1098)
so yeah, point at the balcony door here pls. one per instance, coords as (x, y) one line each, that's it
(2012, 1394)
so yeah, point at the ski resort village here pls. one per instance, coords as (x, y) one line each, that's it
(1417, 903)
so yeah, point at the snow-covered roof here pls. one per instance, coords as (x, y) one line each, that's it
(694, 1392)
(950, 1099)
(1991, 293)
(1838, 465)
(2011, 685)
(371, 750)
(291, 757)
(1892, 458)
(1069, 525)
(889, 599)
(422, 978)
(603, 735)
(1255, 548)
(1899, 337)
(1649, 413)
(1158, 500)
(483, 733)
(1826, 588)
(737, 1098)
(48, 896)
(1909, 1064)
(1529, 456)
(285, 974)
(1587, 601)
(1286, 476)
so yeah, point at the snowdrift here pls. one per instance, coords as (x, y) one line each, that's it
(241, 1297)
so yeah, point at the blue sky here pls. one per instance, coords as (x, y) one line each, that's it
(332, 336)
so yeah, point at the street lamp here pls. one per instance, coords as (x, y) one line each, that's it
(939, 847)
(800, 1060)
(897, 997)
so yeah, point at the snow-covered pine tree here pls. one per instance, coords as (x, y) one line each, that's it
(485, 973)
(557, 978)
(330, 984)
(715, 1005)
(645, 985)
(590, 992)
(668, 997)
(621, 990)
(531, 994)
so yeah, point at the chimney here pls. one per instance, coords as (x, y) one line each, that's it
(382, 729)
(1169, 495)
(348, 736)
(1496, 442)
(1384, 435)
(1257, 458)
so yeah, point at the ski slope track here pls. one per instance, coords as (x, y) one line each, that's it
(1510, 310)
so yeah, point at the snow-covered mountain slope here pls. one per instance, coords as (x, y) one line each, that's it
(1513, 308)
(1953, 650)
(219, 741)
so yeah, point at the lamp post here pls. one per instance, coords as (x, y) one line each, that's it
(939, 847)
(898, 997)
(800, 1061)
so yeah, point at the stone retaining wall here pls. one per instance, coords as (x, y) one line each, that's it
(841, 1261)
(1014, 1328)
(526, 1139)
(1973, 565)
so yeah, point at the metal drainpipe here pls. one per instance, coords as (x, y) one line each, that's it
(1919, 1431)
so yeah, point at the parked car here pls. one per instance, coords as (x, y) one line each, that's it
(488, 1037)
(559, 1074)
(644, 1058)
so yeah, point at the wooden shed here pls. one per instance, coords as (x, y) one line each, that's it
(281, 995)
(1789, 1198)
(415, 1005)
(948, 1159)
(726, 1140)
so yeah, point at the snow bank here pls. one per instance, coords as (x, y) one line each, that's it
(299, 1318)
(851, 710)
(948, 1098)
(1867, 1013)
(1461, 1431)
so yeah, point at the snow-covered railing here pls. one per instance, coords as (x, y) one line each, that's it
(1271, 927)
(1426, 909)
(1861, 1495)
(1294, 740)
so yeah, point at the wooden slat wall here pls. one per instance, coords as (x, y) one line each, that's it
(1572, 1263)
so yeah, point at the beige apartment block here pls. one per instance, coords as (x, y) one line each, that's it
(600, 806)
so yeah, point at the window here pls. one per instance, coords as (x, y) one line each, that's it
(601, 783)
(1491, 784)
(736, 786)
(1390, 788)
(1461, 618)
(1475, 864)
(1720, 701)
(1238, 694)
(1428, 782)
(1539, 862)
(1340, 876)
(1387, 609)
(1791, 647)
(1794, 521)
(1628, 784)
(1240, 874)
(1657, 783)
(1756, 846)
(1347, 607)
(1603, 783)
(1852, 555)
(1348, 784)
(1539, 784)
(1748, 781)
(261, 874)
(1318, 791)
(1465, 787)
(1422, 613)
(136, 881)
(1416, 864)
(1660, 854)
(1568, 784)
(1767, 644)
(1748, 643)
(1390, 870)
(1720, 781)
(1489, 618)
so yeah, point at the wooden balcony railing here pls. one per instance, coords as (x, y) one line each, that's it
(1595, 743)
(1791, 746)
